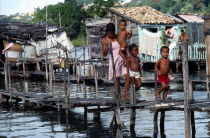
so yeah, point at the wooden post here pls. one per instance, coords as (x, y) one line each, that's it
(191, 96)
(177, 66)
(132, 110)
(193, 123)
(162, 124)
(96, 81)
(64, 78)
(207, 44)
(96, 116)
(1, 98)
(155, 123)
(51, 74)
(185, 69)
(155, 73)
(25, 83)
(9, 76)
(116, 96)
(84, 58)
(46, 68)
(6, 76)
(119, 133)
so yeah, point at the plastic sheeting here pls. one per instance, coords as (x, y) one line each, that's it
(149, 43)
(52, 42)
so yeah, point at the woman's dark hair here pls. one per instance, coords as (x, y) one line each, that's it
(132, 46)
(164, 47)
(110, 27)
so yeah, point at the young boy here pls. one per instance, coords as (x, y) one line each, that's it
(123, 34)
(134, 66)
(163, 68)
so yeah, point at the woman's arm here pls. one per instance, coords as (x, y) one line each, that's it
(105, 46)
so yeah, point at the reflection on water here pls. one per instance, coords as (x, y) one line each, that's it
(41, 123)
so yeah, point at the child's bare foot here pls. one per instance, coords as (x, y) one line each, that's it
(165, 100)
(127, 97)
(158, 96)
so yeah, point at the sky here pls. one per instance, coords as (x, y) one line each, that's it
(8, 7)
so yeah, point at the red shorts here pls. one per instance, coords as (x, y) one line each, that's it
(163, 78)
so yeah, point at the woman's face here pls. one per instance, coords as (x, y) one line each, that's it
(111, 34)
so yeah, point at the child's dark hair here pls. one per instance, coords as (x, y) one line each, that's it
(123, 20)
(132, 46)
(164, 47)
(110, 27)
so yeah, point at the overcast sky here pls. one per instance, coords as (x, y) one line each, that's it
(23, 6)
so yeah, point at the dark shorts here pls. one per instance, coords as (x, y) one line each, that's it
(180, 50)
(163, 78)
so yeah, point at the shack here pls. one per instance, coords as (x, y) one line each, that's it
(194, 27)
(95, 30)
(33, 40)
(147, 25)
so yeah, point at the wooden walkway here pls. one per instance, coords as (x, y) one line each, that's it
(43, 100)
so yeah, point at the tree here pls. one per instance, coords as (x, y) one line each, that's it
(100, 7)
(71, 15)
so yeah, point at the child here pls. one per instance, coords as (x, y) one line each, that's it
(123, 34)
(134, 66)
(163, 70)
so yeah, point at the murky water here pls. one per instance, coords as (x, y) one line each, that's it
(18, 123)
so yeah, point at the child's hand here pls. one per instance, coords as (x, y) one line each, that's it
(159, 73)
(125, 63)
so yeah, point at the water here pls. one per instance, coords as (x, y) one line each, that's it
(18, 123)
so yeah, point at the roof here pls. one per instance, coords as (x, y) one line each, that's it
(191, 18)
(145, 15)
(26, 31)
(91, 22)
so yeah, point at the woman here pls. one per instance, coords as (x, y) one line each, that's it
(118, 60)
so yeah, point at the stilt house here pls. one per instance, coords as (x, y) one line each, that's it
(147, 25)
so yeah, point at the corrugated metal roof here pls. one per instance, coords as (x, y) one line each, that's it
(96, 22)
(145, 15)
(191, 18)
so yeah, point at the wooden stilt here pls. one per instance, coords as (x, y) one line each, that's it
(64, 78)
(96, 116)
(177, 66)
(155, 123)
(191, 95)
(185, 69)
(119, 133)
(6, 76)
(118, 118)
(96, 81)
(1, 98)
(132, 110)
(162, 124)
(155, 73)
(9, 76)
(193, 123)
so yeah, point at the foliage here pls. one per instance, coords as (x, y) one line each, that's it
(71, 15)
(164, 38)
(18, 18)
(80, 40)
(175, 6)
(100, 8)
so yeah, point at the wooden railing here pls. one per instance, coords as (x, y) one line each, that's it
(195, 51)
